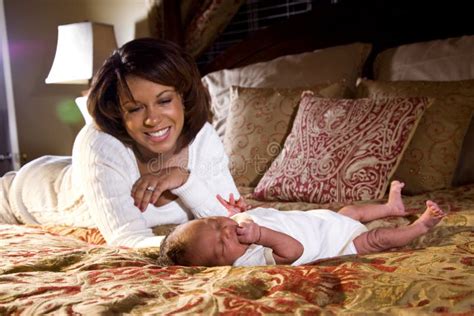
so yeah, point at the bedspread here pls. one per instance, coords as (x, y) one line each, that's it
(66, 270)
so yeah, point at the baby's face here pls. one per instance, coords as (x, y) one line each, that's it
(214, 241)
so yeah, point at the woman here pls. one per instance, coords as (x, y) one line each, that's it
(151, 157)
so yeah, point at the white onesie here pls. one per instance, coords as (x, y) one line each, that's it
(323, 234)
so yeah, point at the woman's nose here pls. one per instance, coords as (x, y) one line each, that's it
(152, 117)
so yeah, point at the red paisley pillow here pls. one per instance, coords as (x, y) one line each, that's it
(341, 150)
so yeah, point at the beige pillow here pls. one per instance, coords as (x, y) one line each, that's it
(430, 161)
(327, 65)
(439, 60)
(464, 173)
(257, 125)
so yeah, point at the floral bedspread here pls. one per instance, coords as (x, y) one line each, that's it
(61, 270)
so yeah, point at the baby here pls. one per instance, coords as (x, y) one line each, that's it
(264, 236)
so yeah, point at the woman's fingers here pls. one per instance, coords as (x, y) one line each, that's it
(145, 199)
(145, 192)
(156, 194)
(149, 188)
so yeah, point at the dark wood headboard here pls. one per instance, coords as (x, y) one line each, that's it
(383, 23)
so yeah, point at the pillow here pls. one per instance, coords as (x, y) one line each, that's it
(439, 60)
(464, 173)
(258, 123)
(430, 161)
(341, 150)
(332, 64)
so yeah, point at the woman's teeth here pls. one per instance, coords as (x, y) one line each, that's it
(159, 133)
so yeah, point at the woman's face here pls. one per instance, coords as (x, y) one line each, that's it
(154, 118)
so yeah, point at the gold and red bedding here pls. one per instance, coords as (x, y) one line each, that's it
(65, 270)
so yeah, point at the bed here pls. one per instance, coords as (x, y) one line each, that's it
(256, 90)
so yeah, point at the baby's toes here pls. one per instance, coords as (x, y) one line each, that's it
(431, 204)
(439, 213)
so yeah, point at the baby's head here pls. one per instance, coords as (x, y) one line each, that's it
(210, 241)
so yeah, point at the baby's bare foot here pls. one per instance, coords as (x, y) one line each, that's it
(431, 216)
(395, 202)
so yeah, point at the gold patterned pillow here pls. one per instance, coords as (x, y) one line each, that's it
(258, 122)
(431, 158)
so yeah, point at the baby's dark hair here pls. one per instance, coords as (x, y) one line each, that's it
(173, 251)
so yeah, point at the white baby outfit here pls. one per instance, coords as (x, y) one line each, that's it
(323, 234)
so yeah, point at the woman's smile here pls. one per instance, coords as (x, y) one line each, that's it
(159, 135)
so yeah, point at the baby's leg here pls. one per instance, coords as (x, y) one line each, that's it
(370, 212)
(380, 239)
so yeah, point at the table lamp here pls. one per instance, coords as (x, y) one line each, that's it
(81, 49)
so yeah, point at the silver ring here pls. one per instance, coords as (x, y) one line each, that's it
(150, 188)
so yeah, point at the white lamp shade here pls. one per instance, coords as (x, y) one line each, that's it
(81, 50)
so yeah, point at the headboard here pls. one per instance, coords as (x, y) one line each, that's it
(383, 23)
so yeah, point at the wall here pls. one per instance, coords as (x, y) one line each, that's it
(47, 118)
(9, 152)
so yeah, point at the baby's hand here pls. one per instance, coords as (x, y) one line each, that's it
(233, 207)
(249, 232)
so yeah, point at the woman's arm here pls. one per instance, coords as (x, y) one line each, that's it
(209, 176)
(105, 170)
(161, 182)
(285, 248)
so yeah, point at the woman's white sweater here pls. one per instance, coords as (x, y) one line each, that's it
(94, 188)
(105, 171)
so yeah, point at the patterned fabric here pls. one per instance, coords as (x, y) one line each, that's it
(258, 123)
(430, 160)
(44, 273)
(89, 235)
(341, 150)
(207, 22)
(201, 21)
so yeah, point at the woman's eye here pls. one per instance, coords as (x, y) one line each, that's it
(132, 110)
(164, 101)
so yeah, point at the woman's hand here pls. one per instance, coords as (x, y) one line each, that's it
(153, 186)
(249, 232)
(233, 207)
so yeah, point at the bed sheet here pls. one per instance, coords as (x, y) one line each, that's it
(65, 270)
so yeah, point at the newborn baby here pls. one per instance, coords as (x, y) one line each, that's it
(264, 236)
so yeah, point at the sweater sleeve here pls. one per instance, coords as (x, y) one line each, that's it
(209, 176)
(104, 170)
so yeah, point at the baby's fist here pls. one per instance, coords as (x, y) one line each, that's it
(248, 232)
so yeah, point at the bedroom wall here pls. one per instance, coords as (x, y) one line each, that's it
(47, 117)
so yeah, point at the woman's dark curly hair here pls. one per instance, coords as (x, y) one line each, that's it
(159, 61)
